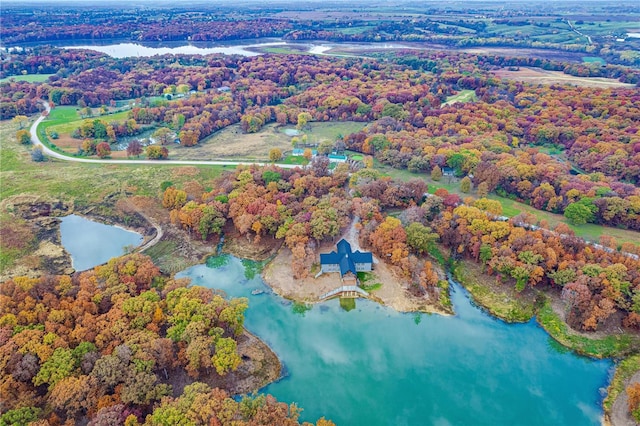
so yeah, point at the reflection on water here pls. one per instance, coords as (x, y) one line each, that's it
(91, 243)
(124, 50)
(368, 364)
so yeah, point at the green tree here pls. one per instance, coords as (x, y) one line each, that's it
(578, 214)
(20, 416)
(36, 154)
(226, 356)
(420, 237)
(57, 367)
(465, 184)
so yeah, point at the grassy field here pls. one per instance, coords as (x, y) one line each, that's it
(331, 131)
(593, 60)
(462, 97)
(67, 122)
(84, 183)
(29, 78)
(231, 143)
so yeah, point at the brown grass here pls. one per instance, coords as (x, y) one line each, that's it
(231, 143)
(540, 76)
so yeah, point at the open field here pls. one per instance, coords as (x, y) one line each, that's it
(540, 76)
(70, 126)
(29, 78)
(84, 183)
(231, 143)
(462, 97)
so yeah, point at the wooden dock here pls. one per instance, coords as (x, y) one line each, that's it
(348, 291)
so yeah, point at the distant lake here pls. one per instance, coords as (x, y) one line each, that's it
(125, 50)
(92, 243)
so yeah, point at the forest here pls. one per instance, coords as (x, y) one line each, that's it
(498, 142)
(104, 345)
(101, 346)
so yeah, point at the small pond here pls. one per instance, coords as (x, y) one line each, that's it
(291, 132)
(375, 366)
(92, 243)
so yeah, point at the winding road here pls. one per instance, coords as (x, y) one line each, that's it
(51, 153)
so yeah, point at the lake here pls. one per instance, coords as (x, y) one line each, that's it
(375, 366)
(92, 243)
(124, 50)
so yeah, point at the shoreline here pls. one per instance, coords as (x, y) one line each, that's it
(393, 293)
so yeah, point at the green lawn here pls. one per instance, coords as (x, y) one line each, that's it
(83, 183)
(463, 96)
(354, 30)
(294, 159)
(332, 130)
(73, 122)
(29, 78)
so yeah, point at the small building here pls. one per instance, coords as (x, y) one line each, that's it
(224, 89)
(447, 171)
(335, 158)
(346, 262)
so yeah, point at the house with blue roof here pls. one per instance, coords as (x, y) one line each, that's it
(347, 262)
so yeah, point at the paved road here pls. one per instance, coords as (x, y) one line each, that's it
(51, 153)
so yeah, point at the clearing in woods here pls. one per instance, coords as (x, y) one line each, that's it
(231, 143)
(540, 76)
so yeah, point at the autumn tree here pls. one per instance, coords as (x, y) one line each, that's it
(275, 154)
(134, 149)
(483, 189)
(103, 149)
(465, 184)
(155, 152)
(21, 121)
(633, 392)
(436, 173)
(163, 136)
(23, 137)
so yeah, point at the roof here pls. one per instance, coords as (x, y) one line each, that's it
(345, 258)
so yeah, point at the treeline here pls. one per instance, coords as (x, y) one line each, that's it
(102, 347)
(150, 26)
(595, 282)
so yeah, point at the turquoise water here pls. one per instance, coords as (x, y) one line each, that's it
(91, 243)
(375, 366)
